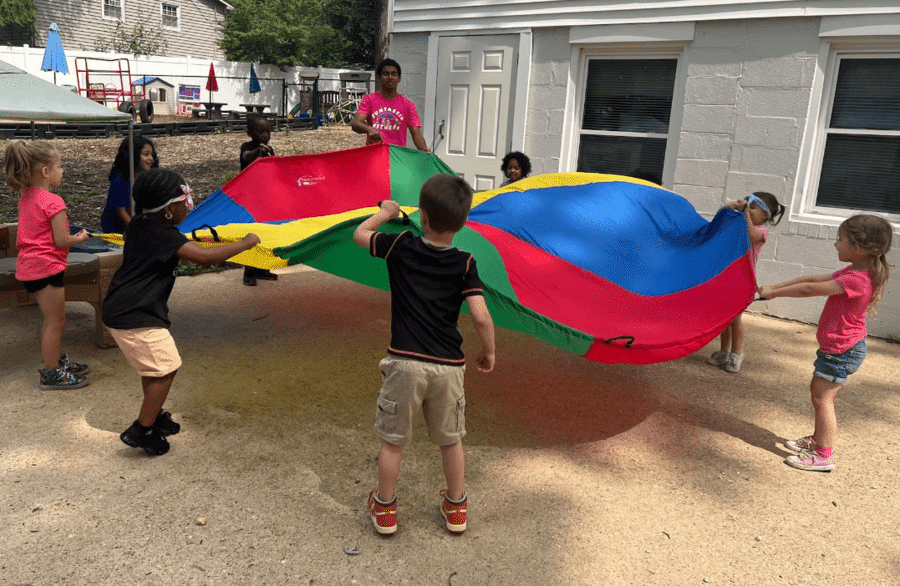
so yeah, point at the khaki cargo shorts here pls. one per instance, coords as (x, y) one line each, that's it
(411, 386)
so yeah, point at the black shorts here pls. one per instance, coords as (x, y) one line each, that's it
(57, 280)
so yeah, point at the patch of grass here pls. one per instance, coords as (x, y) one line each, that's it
(96, 192)
(189, 269)
(8, 215)
(223, 179)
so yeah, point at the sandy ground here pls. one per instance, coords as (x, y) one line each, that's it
(578, 472)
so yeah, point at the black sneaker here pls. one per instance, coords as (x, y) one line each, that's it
(73, 367)
(164, 424)
(58, 379)
(149, 438)
(266, 275)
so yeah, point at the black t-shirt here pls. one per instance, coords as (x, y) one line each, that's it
(253, 145)
(139, 292)
(428, 287)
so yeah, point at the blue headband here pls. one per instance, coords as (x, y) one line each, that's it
(760, 203)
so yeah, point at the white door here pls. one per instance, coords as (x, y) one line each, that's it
(474, 105)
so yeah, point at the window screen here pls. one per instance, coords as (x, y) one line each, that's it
(861, 161)
(112, 9)
(625, 122)
(169, 16)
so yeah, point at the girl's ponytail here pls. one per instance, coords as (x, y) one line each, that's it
(23, 159)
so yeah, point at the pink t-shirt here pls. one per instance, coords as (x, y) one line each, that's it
(390, 117)
(39, 256)
(754, 250)
(843, 321)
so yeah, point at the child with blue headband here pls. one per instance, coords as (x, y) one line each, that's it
(759, 208)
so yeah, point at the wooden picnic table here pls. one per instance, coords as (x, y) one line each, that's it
(212, 109)
(260, 108)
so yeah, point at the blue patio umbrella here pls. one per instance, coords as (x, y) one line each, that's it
(254, 82)
(54, 56)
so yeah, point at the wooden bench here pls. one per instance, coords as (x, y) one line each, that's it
(87, 279)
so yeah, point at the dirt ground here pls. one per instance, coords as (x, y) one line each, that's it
(205, 160)
(578, 473)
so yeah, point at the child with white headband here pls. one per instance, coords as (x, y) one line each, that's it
(136, 306)
(759, 208)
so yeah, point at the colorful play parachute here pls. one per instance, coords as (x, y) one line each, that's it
(610, 268)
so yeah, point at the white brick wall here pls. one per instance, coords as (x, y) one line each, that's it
(747, 94)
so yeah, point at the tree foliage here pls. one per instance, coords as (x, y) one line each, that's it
(279, 32)
(18, 14)
(302, 32)
(140, 39)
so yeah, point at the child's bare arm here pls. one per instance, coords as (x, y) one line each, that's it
(61, 236)
(808, 286)
(363, 233)
(193, 252)
(484, 327)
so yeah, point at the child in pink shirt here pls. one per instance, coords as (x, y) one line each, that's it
(386, 115)
(759, 208)
(864, 241)
(43, 242)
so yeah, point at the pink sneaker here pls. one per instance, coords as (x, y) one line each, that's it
(811, 460)
(384, 517)
(454, 514)
(798, 445)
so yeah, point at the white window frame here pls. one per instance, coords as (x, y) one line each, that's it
(162, 14)
(674, 51)
(808, 210)
(104, 3)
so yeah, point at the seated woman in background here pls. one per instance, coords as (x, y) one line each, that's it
(515, 166)
(117, 212)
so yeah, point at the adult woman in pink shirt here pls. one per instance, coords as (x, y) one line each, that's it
(863, 241)
(385, 116)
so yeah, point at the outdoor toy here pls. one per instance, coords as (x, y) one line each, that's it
(611, 268)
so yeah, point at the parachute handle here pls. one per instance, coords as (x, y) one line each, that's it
(215, 234)
(628, 344)
(405, 221)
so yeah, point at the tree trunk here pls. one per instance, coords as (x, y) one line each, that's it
(383, 41)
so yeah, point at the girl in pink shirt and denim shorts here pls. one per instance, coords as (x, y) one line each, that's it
(864, 241)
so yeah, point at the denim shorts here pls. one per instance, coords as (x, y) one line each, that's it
(837, 367)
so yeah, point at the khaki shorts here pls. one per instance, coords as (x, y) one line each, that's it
(151, 351)
(410, 386)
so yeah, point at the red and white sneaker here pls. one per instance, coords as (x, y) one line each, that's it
(811, 460)
(798, 445)
(454, 513)
(384, 517)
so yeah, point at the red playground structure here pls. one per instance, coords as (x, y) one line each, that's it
(91, 73)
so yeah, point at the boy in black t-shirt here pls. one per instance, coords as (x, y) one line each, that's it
(429, 279)
(259, 129)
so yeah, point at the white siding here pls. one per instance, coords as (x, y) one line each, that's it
(81, 23)
(463, 15)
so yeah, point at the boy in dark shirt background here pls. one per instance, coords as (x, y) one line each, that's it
(430, 279)
(259, 129)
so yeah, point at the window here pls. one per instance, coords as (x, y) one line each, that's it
(860, 161)
(625, 121)
(170, 16)
(113, 9)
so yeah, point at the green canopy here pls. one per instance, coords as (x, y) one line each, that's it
(26, 97)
